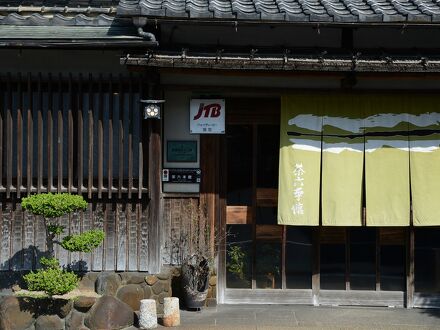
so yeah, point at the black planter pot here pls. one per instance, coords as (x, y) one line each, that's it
(194, 299)
(195, 283)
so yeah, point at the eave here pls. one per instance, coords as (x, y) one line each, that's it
(286, 63)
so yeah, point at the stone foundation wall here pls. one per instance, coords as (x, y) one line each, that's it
(117, 308)
(211, 300)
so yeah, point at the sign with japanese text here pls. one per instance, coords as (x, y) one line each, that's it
(207, 116)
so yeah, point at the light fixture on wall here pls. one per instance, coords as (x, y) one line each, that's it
(152, 108)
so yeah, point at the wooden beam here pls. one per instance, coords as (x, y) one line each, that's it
(410, 268)
(316, 254)
(154, 183)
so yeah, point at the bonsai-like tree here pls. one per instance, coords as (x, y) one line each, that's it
(52, 278)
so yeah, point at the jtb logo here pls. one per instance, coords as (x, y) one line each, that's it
(210, 110)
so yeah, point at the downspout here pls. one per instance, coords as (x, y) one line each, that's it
(140, 22)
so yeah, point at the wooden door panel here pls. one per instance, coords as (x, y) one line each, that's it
(238, 215)
(267, 197)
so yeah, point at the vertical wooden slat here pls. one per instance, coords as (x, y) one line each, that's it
(221, 224)
(347, 259)
(40, 135)
(377, 259)
(40, 239)
(283, 259)
(60, 133)
(2, 131)
(49, 134)
(143, 236)
(80, 140)
(70, 143)
(98, 223)
(127, 236)
(16, 238)
(19, 136)
(121, 138)
(75, 228)
(110, 137)
(410, 267)
(254, 203)
(140, 145)
(5, 222)
(30, 135)
(166, 246)
(100, 139)
(86, 224)
(90, 134)
(109, 249)
(121, 236)
(130, 136)
(132, 239)
(8, 140)
(62, 254)
(316, 265)
(28, 239)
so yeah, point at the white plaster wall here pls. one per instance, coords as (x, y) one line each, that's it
(176, 127)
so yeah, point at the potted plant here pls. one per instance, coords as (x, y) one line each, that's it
(195, 280)
(196, 264)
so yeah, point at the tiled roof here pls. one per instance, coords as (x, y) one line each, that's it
(56, 20)
(58, 12)
(339, 11)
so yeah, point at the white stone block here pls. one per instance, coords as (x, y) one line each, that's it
(171, 312)
(148, 314)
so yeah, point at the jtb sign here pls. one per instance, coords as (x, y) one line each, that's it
(207, 116)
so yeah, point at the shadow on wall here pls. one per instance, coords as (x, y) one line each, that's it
(12, 270)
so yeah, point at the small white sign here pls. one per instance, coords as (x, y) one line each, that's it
(207, 116)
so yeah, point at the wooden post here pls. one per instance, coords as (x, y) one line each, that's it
(221, 222)
(316, 266)
(208, 187)
(154, 129)
(410, 268)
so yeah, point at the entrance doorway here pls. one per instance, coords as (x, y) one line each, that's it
(268, 263)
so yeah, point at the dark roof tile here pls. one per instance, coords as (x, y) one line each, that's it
(101, 12)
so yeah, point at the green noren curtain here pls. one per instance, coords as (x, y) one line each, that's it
(300, 161)
(387, 190)
(331, 144)
(425, 161)
(342, 162)
(342, 168)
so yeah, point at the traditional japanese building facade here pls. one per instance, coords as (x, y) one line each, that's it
(321, 188)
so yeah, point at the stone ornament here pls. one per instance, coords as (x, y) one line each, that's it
(148, 314)
(171, 312)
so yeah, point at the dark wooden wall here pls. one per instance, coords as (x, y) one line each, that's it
(79, 134)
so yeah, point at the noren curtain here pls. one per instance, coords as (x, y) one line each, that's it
(300, 162)
(368, 150)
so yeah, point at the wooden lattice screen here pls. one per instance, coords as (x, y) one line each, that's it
(79, 134)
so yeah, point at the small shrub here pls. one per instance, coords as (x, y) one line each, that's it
(51, 280)
(53, 205)
(49, 262)
(84, 242)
